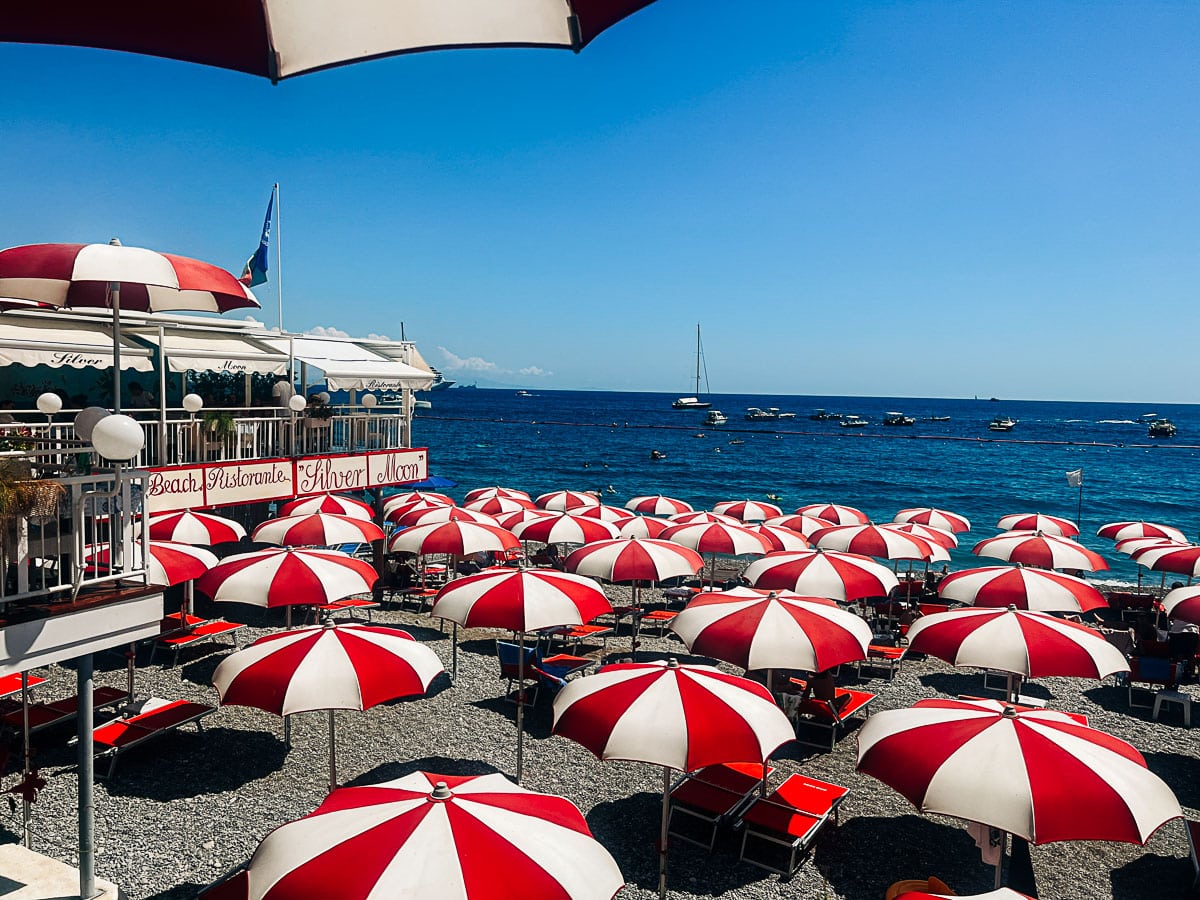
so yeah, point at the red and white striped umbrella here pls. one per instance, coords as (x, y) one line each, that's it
(1121, 531)
(564, 529)
(1183, 603)
(604, 513)
(748, 510)
(562, 501)
(1181, 560)
(326, 666)
(337, 504)
(701, 517)
(498, 506)
(487, 493)
(443, 514)
(520, 600)
(169, 563)
(1037, 522)
(1039, 590)
(643, 527)
(278, 40)
(1038, 774)
(454, 538)
(926, 532)
(764, 630)
(718, 537)
(937, 518)
(780, 538)
(1130, 546)
(395, 512)
(79, 275)
(190, 527)
(835, 513)
(287, 576)
(316, 530)
(1029, 644)
(430, 497)
(1048, 551)
(677, 717)
(657, 505)
(513, 519)
(804, 525)
(436, 837)
(822, 573)
(634, 559)
(879, 541)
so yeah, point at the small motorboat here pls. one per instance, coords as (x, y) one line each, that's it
(898, 418)
(716, 417)
(853, 422)
(1162, 428)
(657, 454)
(1002, 423)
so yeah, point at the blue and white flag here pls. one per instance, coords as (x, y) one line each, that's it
(255, 272)
(1075, 478)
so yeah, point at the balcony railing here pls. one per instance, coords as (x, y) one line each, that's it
(73, 539)
(228, 434)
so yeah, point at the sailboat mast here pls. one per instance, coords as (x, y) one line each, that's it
(697, 359)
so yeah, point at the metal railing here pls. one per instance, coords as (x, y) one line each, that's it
(87, 531)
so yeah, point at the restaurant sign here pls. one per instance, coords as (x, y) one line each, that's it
(260, 480)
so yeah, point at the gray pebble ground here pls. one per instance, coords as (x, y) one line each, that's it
(183, 810)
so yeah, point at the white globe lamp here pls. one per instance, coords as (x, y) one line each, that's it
(118, 438)
(85, 421)
(323, 396)
(48, 404)
(370, 401)
(193, 403)
(297, 403)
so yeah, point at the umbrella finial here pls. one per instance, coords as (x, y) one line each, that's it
(1009, 712)
(328, 622)
(440, 793)
(672, 663)
(115, 242)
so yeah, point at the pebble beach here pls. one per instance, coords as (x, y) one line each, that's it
(183, 810)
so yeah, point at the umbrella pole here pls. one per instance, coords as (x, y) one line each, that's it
(454, 652)
(1000, 862)
(131, 655)
(332, 752)
(520, 702)
(114, 292)
(662, 835)
(634, 626)
(26, 811)
(287, 731)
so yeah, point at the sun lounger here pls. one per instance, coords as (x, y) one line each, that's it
(790, 817)
(1192, 828)
(11, 684)
(882, 658)
(831, 716)
(57, 712)
(574, 635)
(348, 604)
(712, 796)
(659, 619)
(207, 630)
(155, 718)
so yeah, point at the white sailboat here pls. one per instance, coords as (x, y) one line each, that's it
(694, 402)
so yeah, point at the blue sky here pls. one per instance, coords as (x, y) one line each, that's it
(910, 199)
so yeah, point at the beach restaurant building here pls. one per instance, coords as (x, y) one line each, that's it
(216, 413)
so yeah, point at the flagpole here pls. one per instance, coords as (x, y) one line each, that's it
(279, 255)
(1079, 507)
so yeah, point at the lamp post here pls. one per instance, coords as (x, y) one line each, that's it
(118, 439)
(295, 404)
(192, 403)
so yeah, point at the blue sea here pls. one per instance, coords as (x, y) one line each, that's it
(590, 440)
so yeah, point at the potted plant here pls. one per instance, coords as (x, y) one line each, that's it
(219, 424)
(318, 414)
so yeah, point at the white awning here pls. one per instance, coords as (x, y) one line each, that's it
(211, 351)
(28, 341)
(351, 367)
